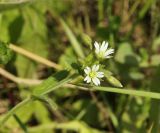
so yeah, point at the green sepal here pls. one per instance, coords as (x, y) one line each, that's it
(113, 81)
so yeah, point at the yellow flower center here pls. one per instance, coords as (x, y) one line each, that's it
(101, 54)
(92, 74)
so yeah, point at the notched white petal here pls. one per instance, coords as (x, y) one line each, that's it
(108, 52)
(102, 46)
(105, 46)
(108, 56)
(96, 47)
(100, 74)
(87, 70)
(87, 79)
(96, 81)
(95, 68)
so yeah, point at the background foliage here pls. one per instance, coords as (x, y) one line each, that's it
(57, 30)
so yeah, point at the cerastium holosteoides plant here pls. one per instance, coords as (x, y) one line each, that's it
(91, 69)
(91, 75)
(58, 30)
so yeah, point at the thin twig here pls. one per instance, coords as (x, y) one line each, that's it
(30, 82)
(17, 79)
(34, 57)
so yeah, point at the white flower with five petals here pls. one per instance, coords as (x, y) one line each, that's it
(93, 75)
(102, 51)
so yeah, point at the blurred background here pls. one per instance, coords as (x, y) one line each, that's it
(132, 27)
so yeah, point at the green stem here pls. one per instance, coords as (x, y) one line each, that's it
(21, 124)
(129, 92)
(14, 109)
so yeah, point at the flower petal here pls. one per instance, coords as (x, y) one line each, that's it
(102, 46)
(108, 56)
(106, 46)
(87, 79)
(108, 52)
(87, 70)
(95, 67)
(96, 81)
(96, 45)
(100, 74)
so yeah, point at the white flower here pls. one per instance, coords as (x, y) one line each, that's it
(103, 51)
(92, 74)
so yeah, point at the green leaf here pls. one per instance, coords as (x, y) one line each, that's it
(15, 28)
(136, 75)
(42, 116)
(22, 125)
(77, 126)
(9, 4)
(125, 55)
(6, 19)
(5, 53)
(34, 25)
(71, 126)
(52, 83)
(76, 45)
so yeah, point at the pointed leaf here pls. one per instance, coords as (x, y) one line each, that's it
(52, 83)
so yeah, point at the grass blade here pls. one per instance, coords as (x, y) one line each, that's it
(24, 128)
(155, 105)
(76, 45)
(100, 9)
